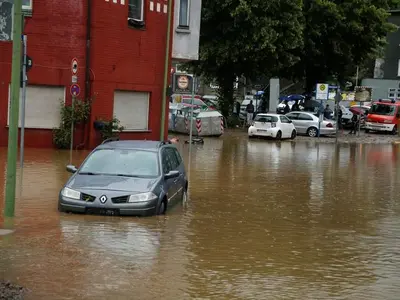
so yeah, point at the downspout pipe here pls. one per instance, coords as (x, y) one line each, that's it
(87, 71)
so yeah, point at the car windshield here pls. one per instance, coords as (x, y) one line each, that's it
(382, 109)
(266, 119)
(121, 162)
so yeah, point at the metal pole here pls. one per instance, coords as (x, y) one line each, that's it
(358, 69)
(337, 112)
(319, 118)
(23, 104)
(191, 128)
(72, 130)
(11, 178)
(166, 72)
(359, 121)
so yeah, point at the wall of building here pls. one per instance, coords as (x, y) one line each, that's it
(392, 53)
(56, 33)
(380, 87)
(121, 58)
(128, 59)
(186, 39)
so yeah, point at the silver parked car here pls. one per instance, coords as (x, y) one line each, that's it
(307, 123)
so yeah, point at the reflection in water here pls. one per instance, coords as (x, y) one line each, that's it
(265, 220)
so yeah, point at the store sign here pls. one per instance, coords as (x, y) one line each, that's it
(182, 83)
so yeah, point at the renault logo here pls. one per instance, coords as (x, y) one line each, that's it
(103, 199)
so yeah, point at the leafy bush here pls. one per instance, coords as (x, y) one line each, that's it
(79, 115)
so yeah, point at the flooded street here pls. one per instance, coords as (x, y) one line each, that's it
(265, 220)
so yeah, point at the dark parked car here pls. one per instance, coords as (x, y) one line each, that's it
(126, 178)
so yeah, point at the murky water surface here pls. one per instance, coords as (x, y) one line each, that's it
(264, 221)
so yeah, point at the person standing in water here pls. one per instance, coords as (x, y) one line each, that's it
(250, 112)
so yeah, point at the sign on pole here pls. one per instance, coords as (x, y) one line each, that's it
(74, 66)
(75, 90)
(182, 83)
(322, 91)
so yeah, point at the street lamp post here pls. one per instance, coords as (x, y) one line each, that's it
(166, 71)
(12, 152)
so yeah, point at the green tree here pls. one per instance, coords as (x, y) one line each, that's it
(250, 38)
(340, 35)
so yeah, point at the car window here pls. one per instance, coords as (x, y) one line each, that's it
(284, 119)
(172, 157)
(178, 156)
(293, 116)
(170, 161)
(266, 119)
(304, 117)
(166, 162)
(122, 162)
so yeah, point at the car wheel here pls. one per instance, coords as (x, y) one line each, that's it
(279, 135)
(366, 130)
(312, 132)
(294, 134)
(162, 209)
(394, 131)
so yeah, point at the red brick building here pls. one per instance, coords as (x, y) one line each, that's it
(121, 69)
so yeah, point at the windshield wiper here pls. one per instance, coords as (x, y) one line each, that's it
(127, 175)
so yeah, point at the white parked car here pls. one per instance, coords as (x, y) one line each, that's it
(272, 125)
(308, 123)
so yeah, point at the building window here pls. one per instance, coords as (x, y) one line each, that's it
(27, 4)
(132, 110)
(42, 106)
(135, 10)
(184, 13)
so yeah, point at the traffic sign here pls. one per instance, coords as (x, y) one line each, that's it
(74, 79)
(75, 90)
(322, 91)
(183, 82)
(74, 66)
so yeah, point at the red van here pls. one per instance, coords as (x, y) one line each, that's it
(383, 116)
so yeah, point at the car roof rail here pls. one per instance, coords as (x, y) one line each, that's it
(111, 139)
(165, 143)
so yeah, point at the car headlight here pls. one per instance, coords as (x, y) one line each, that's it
(70, 193)
(143, 197)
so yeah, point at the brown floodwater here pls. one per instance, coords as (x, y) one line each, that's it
(265, 220)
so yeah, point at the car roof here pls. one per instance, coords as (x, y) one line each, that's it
(268, 114)
(134, 144)
(302, 112)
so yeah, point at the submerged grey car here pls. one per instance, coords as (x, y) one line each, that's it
(126, 178)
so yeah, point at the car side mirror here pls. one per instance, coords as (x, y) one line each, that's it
(290, 121)
(171, 174)
(71, 169)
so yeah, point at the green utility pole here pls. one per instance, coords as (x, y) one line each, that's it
(12, 153)
(166, 72)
